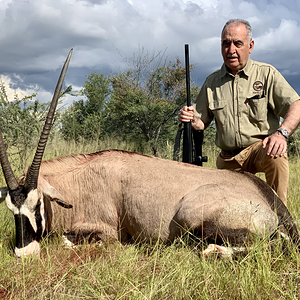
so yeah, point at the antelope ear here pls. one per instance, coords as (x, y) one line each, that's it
(51, 192)
(3, 193)
(62, 203)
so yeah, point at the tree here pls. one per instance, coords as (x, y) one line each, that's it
(138, 105)
(145, 111)
(21, 123)
(85, 117)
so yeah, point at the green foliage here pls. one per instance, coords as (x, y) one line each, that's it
(21, 123)
(294, 143)
(138, 106)
(146, 111)
(86, 118)
(96, 90)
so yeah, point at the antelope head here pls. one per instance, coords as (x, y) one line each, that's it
(26, 201)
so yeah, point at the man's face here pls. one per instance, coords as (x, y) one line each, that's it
(236, 47)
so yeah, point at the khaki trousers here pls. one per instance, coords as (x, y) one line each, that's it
(254, 159)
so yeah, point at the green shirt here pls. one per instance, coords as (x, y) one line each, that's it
(246, 107)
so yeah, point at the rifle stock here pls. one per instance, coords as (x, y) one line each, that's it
(198, 141)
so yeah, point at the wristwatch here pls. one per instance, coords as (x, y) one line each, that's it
(284, 132)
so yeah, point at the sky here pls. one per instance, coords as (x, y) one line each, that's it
(36, 36)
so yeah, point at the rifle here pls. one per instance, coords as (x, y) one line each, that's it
(187, 153)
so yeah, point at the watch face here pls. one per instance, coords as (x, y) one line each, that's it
(284, 132)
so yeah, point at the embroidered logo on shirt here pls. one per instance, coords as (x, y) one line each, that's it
(257, 85)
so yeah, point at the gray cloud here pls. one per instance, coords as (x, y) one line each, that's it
(36, 35)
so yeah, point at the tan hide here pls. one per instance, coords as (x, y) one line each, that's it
(121, 195)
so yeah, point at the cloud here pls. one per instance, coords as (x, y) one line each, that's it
(36, 35)
(11, 92)
(280, 46)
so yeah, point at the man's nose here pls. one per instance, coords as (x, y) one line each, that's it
(232, 48)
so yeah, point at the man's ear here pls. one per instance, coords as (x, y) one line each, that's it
(251, 46)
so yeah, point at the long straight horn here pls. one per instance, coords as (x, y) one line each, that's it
(9, 176)
(33, 172)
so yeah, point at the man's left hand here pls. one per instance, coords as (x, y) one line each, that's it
(276, 143)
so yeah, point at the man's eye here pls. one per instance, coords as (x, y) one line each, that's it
(238, 44)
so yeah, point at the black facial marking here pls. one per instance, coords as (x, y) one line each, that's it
(38, 218)
(25, 233)
(18, 196)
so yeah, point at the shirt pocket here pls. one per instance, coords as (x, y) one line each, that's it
(218, 108)
(258, 108)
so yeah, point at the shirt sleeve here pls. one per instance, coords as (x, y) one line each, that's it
(281, 94)
(201, 106)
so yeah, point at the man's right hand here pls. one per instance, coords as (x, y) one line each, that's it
(187, 114)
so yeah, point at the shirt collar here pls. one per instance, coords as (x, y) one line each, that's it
(246, 70)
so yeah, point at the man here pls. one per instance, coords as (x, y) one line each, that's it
(247, 99)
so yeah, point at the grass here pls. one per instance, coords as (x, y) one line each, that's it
(176, 271)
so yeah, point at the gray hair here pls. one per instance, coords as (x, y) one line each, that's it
(238, 22)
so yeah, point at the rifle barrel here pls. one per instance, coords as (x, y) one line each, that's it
(187, 154)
